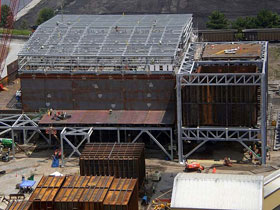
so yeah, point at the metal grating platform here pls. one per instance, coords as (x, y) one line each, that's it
(107, 41)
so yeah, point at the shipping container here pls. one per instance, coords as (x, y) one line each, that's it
(125, 160)
(224, 35)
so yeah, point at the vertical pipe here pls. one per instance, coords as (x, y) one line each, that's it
(263, 111)
(13, 144)
(179, 118)
(171, 143)
(61, 147)
(24, 136)
(119, 136)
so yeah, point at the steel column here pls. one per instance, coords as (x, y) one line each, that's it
(13, 144)
(179, 118)
(119, 136)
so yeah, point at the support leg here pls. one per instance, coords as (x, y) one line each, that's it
(137, 137)
(264, 117)
(13, 145)
(249, 149)
(119, 136)
(196, 148)
(24, 137)
(179, 118)
(160, 146)
(61, 147)
(171, 144)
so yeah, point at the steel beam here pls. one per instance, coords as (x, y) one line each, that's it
(179, 118)
(194, 149)
(159, 145)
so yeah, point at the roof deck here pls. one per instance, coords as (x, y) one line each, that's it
(107, 43)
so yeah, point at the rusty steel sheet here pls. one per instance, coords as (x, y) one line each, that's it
(90, 192)
(45, 192)
(122, 195)
(19, 205)
(98, 92)
(239, 51)
(116, 117)
(115, 159)
(221, 106)
(227, 69)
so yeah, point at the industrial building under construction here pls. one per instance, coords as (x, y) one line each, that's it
(135, 75)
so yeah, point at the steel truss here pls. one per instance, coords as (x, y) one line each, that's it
(86, 133)
(106, 43)
(10, 123)
(186, 76)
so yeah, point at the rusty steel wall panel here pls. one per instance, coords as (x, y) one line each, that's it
(123, 195)
(19, 205)
(94, 93)
(43, 196)
(33, 94)
(90, 192)
(114, 159)
(220, 106)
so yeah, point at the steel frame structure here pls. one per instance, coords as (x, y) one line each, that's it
(86, 133)
(107, 43)
(10, 123)
(187, 77)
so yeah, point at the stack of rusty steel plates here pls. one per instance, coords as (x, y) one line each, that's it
(19, 205)
(122, 160)
(85, 192)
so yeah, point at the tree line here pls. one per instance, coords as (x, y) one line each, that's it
(7, 16)
(264, 19)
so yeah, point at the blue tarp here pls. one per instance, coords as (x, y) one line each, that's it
(27, 183)
(55, 162)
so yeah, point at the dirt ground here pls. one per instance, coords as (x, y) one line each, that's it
(39, 164)
(7, 97)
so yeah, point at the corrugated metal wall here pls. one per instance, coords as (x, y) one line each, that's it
(92, 92)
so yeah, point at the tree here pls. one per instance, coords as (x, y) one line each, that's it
(44, 15)
(217, 20)
(267, 19)
(244, 23)
(6, 15)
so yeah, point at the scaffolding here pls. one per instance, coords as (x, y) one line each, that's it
(187, 76)
(107, 43)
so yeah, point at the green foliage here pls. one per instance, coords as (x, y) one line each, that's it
(267, 19)
(44, 15)
(6, 16)
(264, 19)
(244, 23)
(17, 32)
(239, 36)
(24, 25)
(217, 20)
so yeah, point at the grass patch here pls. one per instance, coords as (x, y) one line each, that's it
(17, 32)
